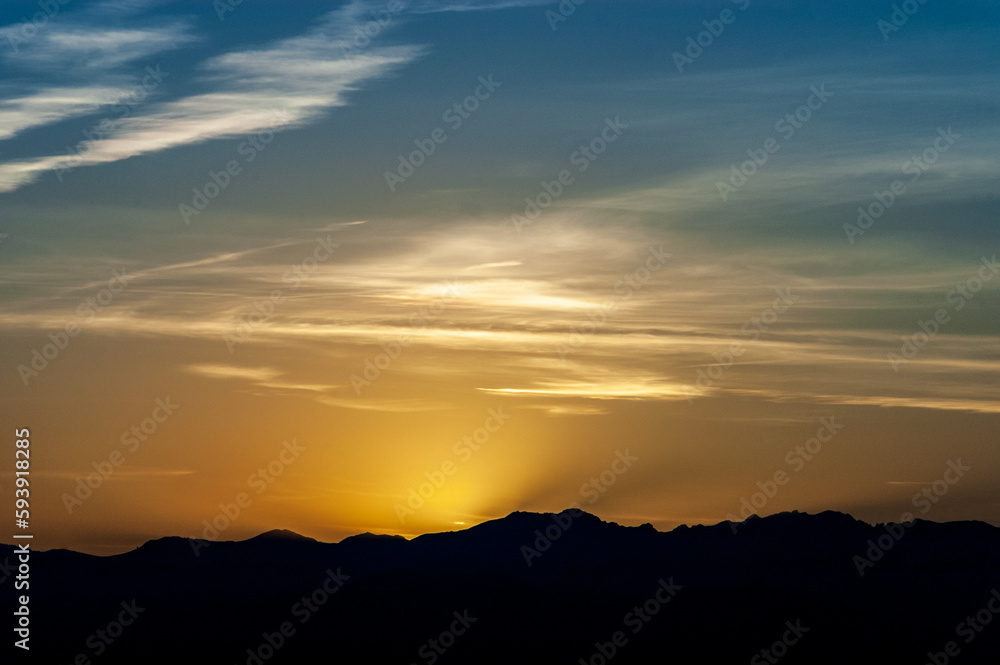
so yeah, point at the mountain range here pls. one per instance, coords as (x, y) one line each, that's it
(533, 588)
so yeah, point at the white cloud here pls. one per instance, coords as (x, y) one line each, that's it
(50, 105)
(287, 84)
(86, 49)
(432, 7)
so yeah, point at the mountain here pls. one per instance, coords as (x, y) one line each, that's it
(534, 588)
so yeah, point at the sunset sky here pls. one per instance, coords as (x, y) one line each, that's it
(376, 245)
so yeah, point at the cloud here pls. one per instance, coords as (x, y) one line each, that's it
(286, 84)
(386, 405)
(569, 410)
(254, 374)
(127, 472)
(497, 264)
(538, 333)
(50, 105)
(90, 65)
(86, 50)
(259, 377)
(604, 383)
(929, 402)
(433, 6)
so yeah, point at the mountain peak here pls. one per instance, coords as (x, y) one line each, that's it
(368, 536)
(281, 534)
(574, 513)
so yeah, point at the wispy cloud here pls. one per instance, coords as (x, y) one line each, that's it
(651, 347)
(432, 7)
(259, 377)
(52, 105)
(127, 472)
(255, 374)
(281, 85)
(386, 405)
(70, 70)
(71, 48)
(267, 380)
(568, 409)
(604, 384)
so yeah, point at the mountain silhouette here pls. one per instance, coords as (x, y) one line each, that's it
(534, 588)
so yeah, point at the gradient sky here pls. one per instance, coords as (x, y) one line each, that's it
(113, 115)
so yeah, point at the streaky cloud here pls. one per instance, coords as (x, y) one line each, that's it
(287, 84)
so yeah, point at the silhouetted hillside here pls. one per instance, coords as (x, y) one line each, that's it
(790, 583)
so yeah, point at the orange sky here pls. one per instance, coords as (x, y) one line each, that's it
(496, 337)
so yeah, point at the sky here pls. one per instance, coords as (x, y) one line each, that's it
(407, 266)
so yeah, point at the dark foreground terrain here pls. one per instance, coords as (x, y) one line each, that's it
(785, 588)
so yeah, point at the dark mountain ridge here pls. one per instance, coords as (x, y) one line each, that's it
(540, 588)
